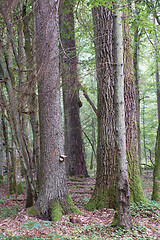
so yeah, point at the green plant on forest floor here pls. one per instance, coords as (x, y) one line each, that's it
(31, 224)
(6, 212)
(148, 209)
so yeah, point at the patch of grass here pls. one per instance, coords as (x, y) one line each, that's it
(6, 212)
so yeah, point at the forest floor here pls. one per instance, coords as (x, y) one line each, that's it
(16, 224)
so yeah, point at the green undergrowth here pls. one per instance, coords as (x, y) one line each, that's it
(8, 211)
(148, 209)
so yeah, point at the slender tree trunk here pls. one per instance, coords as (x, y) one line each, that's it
(31, 78)
(136, 75)
(74, 148)
(123, 200)
(13, 118)
(92, 164)
(6, 143)
(1, 146)
(13, 158)
(156, 172)
(53, 199)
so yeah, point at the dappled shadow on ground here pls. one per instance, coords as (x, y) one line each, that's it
(15, 224)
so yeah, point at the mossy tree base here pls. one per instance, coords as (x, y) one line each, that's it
(56, 209)
(101, 198)
(136, 190)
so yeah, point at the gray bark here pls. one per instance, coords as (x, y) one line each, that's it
(53, 175)
(123, 200)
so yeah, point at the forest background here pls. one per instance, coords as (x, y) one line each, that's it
(20, 36)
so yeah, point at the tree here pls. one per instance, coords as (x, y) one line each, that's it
(1, 146)
(136, 190)
(32, 85)
(74, 149)
(122, 186)
(103, 29)
(53, 199)
(136, 75)
(104, 192)
(156, 172)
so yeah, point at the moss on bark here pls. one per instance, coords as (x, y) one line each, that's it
(136, 190)
(102, 198)
(156, 172)
(33, 211)
(58, 208)
(135, 184)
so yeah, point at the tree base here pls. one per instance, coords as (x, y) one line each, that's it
(56, 209)
(101, 198)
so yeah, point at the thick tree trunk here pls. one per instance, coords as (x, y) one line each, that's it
(105, 182)
(74, 149)
(53, 199)
(104, 192)
(123, 200)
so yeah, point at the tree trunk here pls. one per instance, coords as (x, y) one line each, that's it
(53, 199)
(136, 76)
(156, 172)
(104, 192)
(13, 118)
(6, 144)
(136, 190)
(123, 200)
(105, 181)
(1, 146)
(74, 149)
(31, 78)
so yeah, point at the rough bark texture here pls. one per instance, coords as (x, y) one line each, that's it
(74, 149)
(123, 200)
(136, 190)
(104, 192)
(53, 194)
(105, 182)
